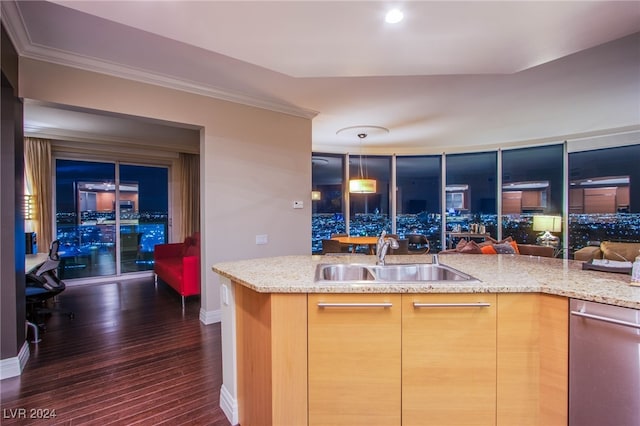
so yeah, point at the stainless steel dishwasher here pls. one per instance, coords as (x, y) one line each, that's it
(604, 365)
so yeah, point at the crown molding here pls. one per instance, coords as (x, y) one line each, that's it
(14, 24)
(76, 140)
(19, 35)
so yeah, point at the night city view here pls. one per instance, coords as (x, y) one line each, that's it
(86, 211)
(152, 226)
(90, 249)
(602, 196)
(583, 228)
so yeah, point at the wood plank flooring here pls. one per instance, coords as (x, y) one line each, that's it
(130, 356)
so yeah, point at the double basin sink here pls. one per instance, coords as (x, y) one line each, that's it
(386, 274)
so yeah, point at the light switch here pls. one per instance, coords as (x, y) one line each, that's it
(298, 204)
(262, 239)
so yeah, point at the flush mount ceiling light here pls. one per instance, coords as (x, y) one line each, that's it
(371, 132)
(362, 185)
(393, 16)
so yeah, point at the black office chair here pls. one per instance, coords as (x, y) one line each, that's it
(43, 284)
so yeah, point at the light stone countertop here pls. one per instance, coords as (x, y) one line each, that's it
(496, 274)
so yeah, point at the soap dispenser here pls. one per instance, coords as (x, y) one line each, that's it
(635, 271)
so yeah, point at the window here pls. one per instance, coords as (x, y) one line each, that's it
(531, 185)
(604, 196)
(92, 199)
(455, 200)
(144, 220)
(369, 213)
(327, 218)
(418, 182)
(471, 193)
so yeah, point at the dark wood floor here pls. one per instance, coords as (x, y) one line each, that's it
(130, 356)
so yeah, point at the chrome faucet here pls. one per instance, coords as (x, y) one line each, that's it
(382, 246)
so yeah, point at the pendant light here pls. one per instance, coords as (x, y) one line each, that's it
(362, 184)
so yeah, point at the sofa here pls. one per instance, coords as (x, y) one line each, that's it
(609, 250)
(178, 265)
(506, 246)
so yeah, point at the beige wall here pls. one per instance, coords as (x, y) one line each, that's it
(254, 162)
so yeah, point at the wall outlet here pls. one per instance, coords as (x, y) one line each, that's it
(262, 239)
(298, 204)
(224, 293)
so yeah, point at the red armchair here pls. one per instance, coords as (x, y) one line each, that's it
(178, 265)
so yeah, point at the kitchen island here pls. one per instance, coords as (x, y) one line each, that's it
(501, 362)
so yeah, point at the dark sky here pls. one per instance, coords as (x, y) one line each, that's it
(152, 182)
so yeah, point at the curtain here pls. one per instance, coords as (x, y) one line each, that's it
(37, 159)
(190, 192)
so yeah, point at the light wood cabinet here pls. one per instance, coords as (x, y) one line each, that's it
(354, 359)
(391, 359)
(271, 334)
(532, 359)
(449, 359)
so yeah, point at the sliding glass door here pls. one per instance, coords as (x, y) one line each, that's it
(85, 221)
(143, 215)
(109, 216)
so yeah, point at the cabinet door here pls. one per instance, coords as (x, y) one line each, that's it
(532, 359)
(449, 359)
(354, 359)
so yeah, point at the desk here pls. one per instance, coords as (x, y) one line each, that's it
(33, 260)
(451, 235)
(359, 241)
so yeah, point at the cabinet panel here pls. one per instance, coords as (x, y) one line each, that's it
(518, 359)
(354, 360)
(449, 360)
(554, 359)
(271, 353)
(532, 350)
(512, 202)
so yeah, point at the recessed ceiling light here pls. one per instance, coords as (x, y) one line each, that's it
(394, 16)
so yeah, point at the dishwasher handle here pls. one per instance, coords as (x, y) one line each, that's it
(606, 319)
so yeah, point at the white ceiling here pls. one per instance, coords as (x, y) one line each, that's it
(451, 75)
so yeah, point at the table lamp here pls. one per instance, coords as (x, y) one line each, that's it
(547, 225)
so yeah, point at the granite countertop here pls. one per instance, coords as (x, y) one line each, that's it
(495, 274)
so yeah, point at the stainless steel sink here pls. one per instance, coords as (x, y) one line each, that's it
(344, 272)
(420, 272)
(415, 272)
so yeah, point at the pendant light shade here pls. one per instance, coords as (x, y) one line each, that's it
(362, 186)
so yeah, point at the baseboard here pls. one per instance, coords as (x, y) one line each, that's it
(210, 317)
(12, 367)
(70, 282)
(229, 405)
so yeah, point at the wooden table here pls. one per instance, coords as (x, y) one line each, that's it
(359, 241)
(33, 260)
